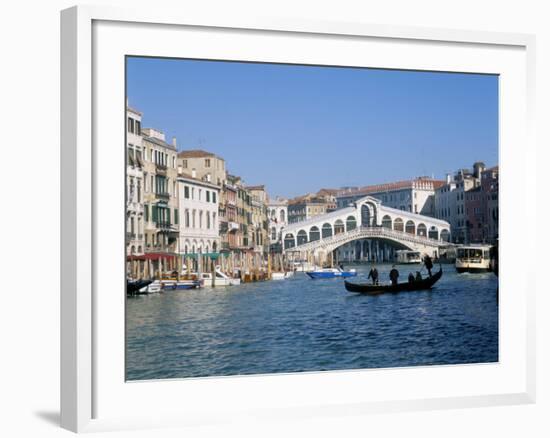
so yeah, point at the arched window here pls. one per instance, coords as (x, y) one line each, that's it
(386, 222)
(206, 249)
(273, 233)
(214, 247)
(326, 230)
(351, 223)
(302, 237)
(139, 249)
(208, 220)
(338, 227)
(282, 215)
(398, 224)
(186, 249)
(289, 241)
(410, 228)
(365, 216)
(133, 249)
(433, 233)
(421, 230)
(314, 234)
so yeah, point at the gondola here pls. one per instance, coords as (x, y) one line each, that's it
(373, 289)
(133, 286)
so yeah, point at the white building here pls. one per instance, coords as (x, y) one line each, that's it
(277, 213)
(134, 184)
(415, 196)
(199, 224)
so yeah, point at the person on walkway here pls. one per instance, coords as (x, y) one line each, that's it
(429, 264)
(394, 275)
(374, 275)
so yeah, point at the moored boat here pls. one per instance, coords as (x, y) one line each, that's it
(331, 273)
(133, 287)
(406, 257)
(375, 289)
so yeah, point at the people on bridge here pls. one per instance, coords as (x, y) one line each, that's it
(418, 276)
(374, 275)
(411, 278)
(429, 264)
(394, 275)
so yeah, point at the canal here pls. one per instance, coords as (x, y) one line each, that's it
(310, 325)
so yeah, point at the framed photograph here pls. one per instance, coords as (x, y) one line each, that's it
(287, 218)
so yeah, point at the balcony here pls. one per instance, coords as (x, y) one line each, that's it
(161, 168)
(232, 226)
(163, 195)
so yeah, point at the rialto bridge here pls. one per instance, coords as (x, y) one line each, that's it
(367, 220)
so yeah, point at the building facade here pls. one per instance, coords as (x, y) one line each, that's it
(199, 229)
(161, 211)
(203, 165)
(277, 216)
(258, 229)
(135, 243)
(415, 196)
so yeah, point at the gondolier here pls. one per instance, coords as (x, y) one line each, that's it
(429, 264)
(394, 275)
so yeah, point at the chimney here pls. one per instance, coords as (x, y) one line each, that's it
(174, 142)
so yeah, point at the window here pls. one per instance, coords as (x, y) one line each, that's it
(176, 216)
(207, 196)
(207, 162)
(200, 193)
(214, 197)
(138, 127)
(186, 192)
(187, 218)
(173, 162)
(130, 125)
(184, 164)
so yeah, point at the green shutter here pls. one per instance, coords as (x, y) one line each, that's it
(168, 215)
(155, 213)
(176, 216)
(146, 212)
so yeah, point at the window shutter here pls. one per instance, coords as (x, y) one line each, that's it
(168, 215)
(155, 213)
(176, 216)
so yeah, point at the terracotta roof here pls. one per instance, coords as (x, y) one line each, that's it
(195, 153)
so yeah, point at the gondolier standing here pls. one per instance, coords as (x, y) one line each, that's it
(394, 275)
(374, 275)
(429, 264)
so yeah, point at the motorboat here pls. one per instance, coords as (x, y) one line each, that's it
(406, 257)
(221, 279)
(331, 273)
(281, 275)
(133, 287)
(376, 289)
(473, 258)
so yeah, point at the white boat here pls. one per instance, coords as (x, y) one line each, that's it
(153, 288)
(303, 266)
(220, 280)
(473, 258)
(281, 275)
(407, 257)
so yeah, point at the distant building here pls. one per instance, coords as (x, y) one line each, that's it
(460, 201)
(416, 196)
(235, 215)
(489, 185)
(258, 230)
(277, 216)
(135, 243)
(161, 192)
(199, 230)
(305, 207)
(203, 165)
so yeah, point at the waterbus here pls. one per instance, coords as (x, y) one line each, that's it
(473, 258)
(407, 257)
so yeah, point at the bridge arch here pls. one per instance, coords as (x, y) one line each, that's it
(289, 241)
(326, 230)
(301, 237)
(445, 235)
(421, 230)
(398, 224)
(410, 227)
(433, 233)
(386, 221)
(314, 234)
(351, 223)
(339, 227)
(369, 214)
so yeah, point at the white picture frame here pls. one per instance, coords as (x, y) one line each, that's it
(89, 394)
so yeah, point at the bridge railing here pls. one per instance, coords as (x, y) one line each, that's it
(367, 232)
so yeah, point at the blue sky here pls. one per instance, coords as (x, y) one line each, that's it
(300, 128)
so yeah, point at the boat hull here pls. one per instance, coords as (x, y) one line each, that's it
(320, 274)
(473, 270)
(371, 289)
